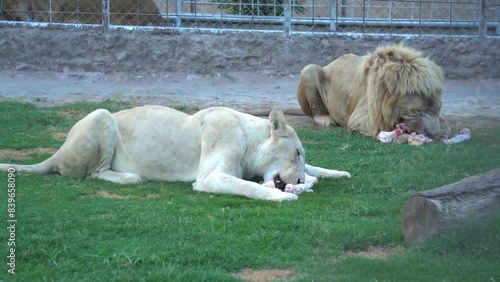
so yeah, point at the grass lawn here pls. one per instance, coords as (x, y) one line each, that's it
(346, 230)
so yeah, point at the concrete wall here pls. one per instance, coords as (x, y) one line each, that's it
(157, 51)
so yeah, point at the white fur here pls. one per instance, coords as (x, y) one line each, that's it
(217, 148)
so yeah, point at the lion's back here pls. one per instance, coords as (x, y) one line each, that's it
(345, 90)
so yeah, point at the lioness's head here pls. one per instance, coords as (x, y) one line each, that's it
(282, 156)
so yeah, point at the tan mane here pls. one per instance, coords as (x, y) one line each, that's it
(406, 72)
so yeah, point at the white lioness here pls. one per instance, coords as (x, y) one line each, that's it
(216, 147)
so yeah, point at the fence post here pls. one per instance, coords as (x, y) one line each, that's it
(333, 15)
(498, 21)
(105, 14)
(178, 12)
(50, 11)
(483, 21)
(287, 17)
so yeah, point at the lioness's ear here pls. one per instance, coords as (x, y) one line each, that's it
(278, 123)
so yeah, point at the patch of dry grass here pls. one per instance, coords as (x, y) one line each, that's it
(25, 153)
(105, 194)
(372, 252)
(264, 275)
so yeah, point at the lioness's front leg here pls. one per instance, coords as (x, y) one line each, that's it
(223, 183)
(323, 172)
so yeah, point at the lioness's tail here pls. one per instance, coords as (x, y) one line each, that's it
(45, 167)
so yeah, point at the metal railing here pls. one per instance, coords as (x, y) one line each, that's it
(415, 17)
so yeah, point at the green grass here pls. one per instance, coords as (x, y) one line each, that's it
(168, 232)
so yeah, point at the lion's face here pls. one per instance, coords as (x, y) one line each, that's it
(431, 125)
(282, 156)
(422, 116)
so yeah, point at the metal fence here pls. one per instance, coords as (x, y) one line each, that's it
(422, 17)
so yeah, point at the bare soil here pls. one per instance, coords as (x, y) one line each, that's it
(245, 91)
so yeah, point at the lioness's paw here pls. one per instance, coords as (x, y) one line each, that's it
(336, 173)
(345, 174)
(279, 196)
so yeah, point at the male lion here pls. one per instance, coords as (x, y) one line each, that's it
(375, 92)
(216, 147)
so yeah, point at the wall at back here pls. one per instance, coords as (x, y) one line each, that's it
(159, 51)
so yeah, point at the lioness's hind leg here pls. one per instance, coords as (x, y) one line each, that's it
(90, 148)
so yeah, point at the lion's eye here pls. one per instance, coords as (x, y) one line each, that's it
(298, 153)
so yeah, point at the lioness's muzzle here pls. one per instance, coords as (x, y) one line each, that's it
(279, 183)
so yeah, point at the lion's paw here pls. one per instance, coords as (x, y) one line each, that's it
(323, 120)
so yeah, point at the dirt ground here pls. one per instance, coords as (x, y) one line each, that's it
(470, 100)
